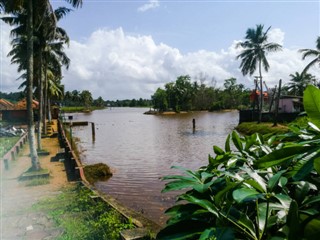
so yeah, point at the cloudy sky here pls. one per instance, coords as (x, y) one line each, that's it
(127, 49)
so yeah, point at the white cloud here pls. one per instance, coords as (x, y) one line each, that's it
(8, 72)
(150, 5)
(276, 35)
(117, 65)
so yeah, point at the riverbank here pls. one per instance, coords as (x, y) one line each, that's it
(249, 128)
(18, 219)
(52, 208)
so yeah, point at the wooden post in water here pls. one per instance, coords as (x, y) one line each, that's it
(93, 132)
(193, 125)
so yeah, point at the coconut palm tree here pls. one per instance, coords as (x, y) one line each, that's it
(299, 82)
(312, 53)
(255, 49)
(32, 8)
(49, 41)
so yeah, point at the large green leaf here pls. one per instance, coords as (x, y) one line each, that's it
(280, 156)
(183, 230)
(218, 234)
(244, 194)
(293, 222)
(201, 202)
(311, 102)
(316, 164)
(237, 141)
(274, 180)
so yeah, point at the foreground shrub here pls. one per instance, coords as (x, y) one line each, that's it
(266, 188)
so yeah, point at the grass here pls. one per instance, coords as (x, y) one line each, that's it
(37, 182)
(6, 143)
(249, 128)
(80, 109)
(83, 216)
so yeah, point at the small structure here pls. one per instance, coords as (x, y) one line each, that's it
(290, 104)
(5, 105)
(18, 113)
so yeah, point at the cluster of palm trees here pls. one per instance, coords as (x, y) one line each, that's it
(37, 48)
(256, 46)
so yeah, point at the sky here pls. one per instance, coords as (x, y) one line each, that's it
(127, 49)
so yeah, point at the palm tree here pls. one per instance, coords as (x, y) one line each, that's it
(312, 53)
(255, 48)
(49, 41)
(299, 82)
(32, 8)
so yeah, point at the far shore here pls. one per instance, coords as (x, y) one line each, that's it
(153, 112)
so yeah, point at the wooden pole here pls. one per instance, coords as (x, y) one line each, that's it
(275, 122)
(93, 132)
(193, 125)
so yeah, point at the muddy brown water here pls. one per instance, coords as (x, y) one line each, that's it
(142, 148)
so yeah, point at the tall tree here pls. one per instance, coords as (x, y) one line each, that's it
(255, 48)
(312, 53)
(33, 9)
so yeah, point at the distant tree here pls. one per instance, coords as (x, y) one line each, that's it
(255, 48)
(99, 102)
(86, 98)
(160, 100)
(312, 53)
(184, 92)
(299, 82)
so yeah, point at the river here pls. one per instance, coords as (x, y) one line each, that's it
(141, 149)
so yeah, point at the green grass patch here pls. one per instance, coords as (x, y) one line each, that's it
(83, 216)
(80, 109)
(6, 143)
(37, 181)
(249, 128)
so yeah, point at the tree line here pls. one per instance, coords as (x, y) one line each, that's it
(185, 95)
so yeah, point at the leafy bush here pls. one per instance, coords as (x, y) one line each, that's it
(267, 188)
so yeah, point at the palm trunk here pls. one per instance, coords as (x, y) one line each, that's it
(45, 95)
(261, 94)
(35, 165)
(40, 101)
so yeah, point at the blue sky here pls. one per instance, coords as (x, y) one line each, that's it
(127, 49)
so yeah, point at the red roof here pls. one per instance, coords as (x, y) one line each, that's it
(6, 105)
(22, 105)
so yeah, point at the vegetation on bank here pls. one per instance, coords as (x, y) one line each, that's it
(96, 172)
(257, 187)
(249, 128)
(184, 95)
(6, 143)
(72, 109)
(82, 215)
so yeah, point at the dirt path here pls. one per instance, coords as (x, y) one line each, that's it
(17, 219)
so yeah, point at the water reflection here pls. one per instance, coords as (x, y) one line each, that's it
(142, 148)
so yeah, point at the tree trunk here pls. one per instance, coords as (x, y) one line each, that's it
(261, 94)
(45, 95)
(40, 100)
(35, 165)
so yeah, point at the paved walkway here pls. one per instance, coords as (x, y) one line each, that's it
(17, 218)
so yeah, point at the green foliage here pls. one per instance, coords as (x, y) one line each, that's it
(83, 216)
(37, 181)
(249, 128)
(184, 95)
(6, 143)
(257, 187)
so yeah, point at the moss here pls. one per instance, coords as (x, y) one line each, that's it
(96, 172)
(249, 128)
